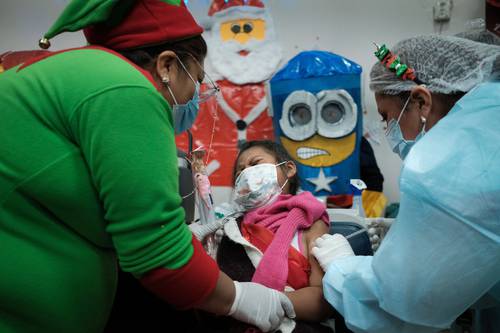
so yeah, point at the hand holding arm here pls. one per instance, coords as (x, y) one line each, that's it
(260, 306)
(328, 247)
(249, 302)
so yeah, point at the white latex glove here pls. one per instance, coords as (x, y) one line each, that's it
(200, 231)
(260, 306)
(377, 228)
(379, 222)
(330, 247)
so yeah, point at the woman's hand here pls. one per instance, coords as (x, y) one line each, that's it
(328, 248)
(260, 306)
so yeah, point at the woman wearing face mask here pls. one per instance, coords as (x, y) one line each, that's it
(270, 243)
(442, 255)
(88, 173)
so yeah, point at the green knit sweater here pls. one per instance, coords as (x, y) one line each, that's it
(88, 171)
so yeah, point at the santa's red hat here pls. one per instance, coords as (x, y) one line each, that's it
(220, 5)
(234, 9)
(126, 24)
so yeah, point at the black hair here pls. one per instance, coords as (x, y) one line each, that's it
(279, 153)
(145, 56)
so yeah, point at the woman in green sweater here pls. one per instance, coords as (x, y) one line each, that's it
(88, 174)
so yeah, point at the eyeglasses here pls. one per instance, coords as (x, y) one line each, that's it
(211, 90)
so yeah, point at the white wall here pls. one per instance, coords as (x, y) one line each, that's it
(23, 23)
(346, 27)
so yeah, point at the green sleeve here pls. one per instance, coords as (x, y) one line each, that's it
(127, 139)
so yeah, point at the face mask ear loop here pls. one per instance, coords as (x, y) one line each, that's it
(282, 163)
(403, 110)
(283, 186)
(185, 69)
(286, 181)
(172, 94)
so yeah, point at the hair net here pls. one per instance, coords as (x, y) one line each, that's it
(445, 64)
(481, 36)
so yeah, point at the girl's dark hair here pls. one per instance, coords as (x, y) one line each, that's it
(279, 153)
(194, 46)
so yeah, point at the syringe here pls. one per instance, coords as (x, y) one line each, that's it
(385, 222)
(360, 231)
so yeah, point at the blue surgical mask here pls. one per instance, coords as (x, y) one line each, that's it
(185, 114)
(394, 135)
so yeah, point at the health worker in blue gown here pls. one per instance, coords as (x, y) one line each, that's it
(441, 257)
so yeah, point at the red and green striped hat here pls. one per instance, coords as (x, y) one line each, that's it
(126, 24)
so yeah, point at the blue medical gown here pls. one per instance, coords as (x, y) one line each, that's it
(442, 255)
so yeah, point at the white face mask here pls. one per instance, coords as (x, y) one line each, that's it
(257, 186)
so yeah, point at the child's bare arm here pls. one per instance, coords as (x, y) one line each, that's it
(309, 302)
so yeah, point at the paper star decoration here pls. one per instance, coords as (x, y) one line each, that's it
(322, 182)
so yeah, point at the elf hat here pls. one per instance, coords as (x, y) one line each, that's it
(126, 24)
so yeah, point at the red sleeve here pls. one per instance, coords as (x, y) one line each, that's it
(187, 286)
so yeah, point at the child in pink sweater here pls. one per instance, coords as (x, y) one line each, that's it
(271, 244)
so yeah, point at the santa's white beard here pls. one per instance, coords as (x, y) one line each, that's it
(258, 65)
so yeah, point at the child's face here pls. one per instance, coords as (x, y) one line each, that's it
(258, 155)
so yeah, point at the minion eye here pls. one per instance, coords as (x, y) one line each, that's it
(299, 115)
(235, 28)
(332, 112)
(338, 113)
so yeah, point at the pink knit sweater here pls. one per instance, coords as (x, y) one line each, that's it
(284, 217)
